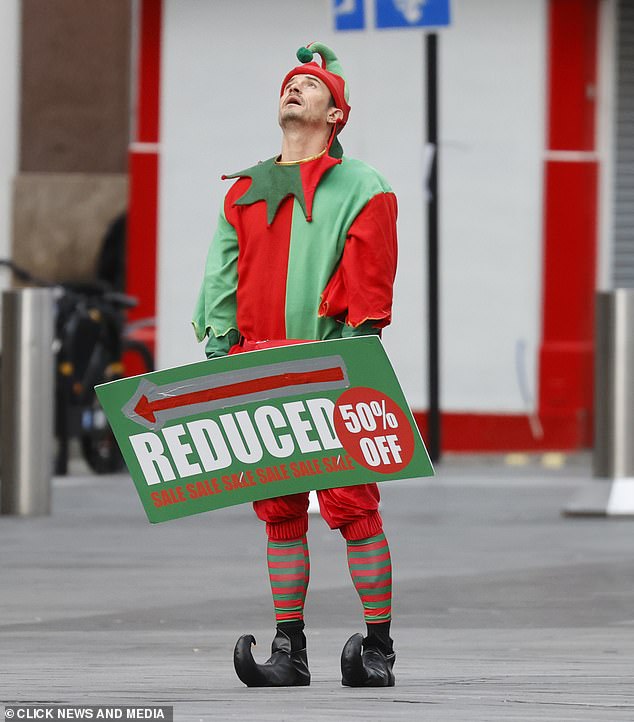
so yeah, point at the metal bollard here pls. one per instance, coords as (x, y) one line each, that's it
(27, 401)
(614, 385)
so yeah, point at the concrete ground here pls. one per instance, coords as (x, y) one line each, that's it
(504, 609)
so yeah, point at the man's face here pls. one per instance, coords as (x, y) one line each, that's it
(306, 100)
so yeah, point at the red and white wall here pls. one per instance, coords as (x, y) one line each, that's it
(525, 136)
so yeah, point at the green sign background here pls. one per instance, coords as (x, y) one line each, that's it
(368, 368)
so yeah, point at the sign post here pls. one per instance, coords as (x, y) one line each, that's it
(434, 431)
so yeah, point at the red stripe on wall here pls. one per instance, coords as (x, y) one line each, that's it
(572, 74)
(570, 239)
(142, 232)
(570, 227)
(144, 166)
(149, 71)
(464, 432)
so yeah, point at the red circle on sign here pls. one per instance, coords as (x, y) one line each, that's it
(374, 430)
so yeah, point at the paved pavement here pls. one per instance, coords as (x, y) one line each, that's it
(504, 610)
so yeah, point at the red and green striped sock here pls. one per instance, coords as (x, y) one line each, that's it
(371, 571)
(289, 571)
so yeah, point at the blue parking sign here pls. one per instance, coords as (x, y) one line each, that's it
(349, 14)
(411, 13)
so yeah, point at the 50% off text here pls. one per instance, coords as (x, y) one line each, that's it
(374, 430)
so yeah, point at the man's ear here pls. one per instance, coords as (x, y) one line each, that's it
(335, 115)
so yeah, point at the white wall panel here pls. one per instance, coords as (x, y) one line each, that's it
(492, 130)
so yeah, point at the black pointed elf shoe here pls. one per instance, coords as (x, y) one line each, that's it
(283, 669)
(366, 666)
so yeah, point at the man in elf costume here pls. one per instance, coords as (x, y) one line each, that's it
(305, 249)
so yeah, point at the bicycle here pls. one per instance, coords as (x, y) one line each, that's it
(91, 337)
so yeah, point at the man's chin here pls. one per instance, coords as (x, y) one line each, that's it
(292, 119)
(291, 112)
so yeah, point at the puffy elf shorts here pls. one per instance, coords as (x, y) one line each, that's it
(354, 510)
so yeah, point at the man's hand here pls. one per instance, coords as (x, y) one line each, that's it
(364, 329)
(218, 346)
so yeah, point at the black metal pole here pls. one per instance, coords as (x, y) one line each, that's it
(434, 431)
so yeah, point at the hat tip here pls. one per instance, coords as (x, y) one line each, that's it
(304, 55)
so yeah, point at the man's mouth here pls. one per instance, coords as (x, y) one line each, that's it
(293, 100)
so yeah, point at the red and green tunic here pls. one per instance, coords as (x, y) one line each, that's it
(299, 251)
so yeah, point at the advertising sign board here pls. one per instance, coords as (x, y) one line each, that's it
(263, 424)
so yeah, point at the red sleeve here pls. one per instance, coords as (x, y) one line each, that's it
(361, 287)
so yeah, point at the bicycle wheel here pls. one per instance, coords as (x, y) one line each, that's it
(98, 444)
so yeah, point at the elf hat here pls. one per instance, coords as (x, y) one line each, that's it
(330, 72)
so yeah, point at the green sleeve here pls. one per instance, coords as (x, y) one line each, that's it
(364, 329)
(215, 311)
(218, 346)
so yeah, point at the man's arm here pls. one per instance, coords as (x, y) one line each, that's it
(360, 291)
(215, 313)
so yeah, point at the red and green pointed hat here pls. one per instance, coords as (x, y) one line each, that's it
(330, 72)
